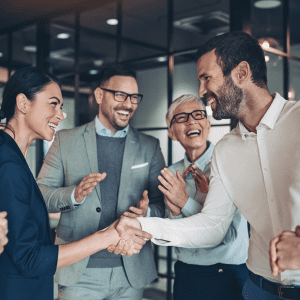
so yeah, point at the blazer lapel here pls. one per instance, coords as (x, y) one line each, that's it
(130, 151)
(91, 149)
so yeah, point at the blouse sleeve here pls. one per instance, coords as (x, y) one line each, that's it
(26, 249)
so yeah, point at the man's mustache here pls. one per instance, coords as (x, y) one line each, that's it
(123, 108)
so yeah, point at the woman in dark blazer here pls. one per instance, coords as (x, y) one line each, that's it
(32, 104)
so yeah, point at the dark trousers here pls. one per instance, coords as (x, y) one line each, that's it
(215, 282)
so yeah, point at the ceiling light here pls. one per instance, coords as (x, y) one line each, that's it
(267, 58)
(162, 59)
(93, 72)
(1, 54)
(267, 4)
(265, 45)
(30, 48)
(63, 36)
(112, 22)
(98, 62)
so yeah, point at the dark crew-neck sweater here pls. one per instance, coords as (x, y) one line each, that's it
(110, 157)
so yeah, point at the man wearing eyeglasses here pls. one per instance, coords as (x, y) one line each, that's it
(217, 272)
(92, 175)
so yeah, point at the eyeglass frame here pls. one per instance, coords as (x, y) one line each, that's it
(188, 116)
(127, 95)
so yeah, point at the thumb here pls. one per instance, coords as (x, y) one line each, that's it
(103, 175)
(145, 199)
(179, 176)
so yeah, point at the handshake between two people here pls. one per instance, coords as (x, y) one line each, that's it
(131, 237)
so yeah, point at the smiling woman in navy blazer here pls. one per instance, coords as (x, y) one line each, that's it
(32, 104)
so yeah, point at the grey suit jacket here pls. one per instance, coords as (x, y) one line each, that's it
(72, 156)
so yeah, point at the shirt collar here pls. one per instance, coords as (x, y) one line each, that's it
(203, 160)
(270, 117)
(103, 131)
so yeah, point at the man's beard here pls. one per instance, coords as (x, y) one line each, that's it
(228, 100)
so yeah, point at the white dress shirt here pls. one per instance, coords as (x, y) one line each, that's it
(257, 173)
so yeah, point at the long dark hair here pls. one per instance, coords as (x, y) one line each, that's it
(28, 81)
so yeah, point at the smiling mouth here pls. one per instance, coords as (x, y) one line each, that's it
(52, 126)
(193, 133)
(209, 101)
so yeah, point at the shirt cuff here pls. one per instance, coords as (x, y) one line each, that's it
(191, 207)
(148, 212)
(74, 202)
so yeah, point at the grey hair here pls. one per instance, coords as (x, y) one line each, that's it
(180, 100)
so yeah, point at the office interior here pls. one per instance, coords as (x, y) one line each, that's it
(158, 39)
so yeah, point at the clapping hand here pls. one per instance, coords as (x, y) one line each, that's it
(141, 209)
(3, 231)
(87, 184)
(132, 237)
(174, 188)
(285, 251)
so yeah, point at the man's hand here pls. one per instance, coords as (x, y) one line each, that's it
(174, 209)
(87, 184)
(141, 209)
(3, 231)
(173, 187)
(285, 251)
(130, 231)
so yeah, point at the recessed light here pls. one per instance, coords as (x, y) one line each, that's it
(162, 59)
(93, 72)
(1, 54)
(265, 45)
(267, 4)
(63, 36)
(112, 22)
(30, 48)
(98, 62)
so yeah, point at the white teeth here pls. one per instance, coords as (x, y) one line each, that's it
(210, 101)
(51, 125)
(193, 132)
(123, 112)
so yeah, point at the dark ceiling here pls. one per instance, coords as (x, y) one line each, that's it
(144, 30)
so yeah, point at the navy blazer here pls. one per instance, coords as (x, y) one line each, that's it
(29, 260)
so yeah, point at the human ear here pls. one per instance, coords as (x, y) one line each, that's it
(208, 126)
(21, 103)
(171, 134)
(241, 73)
(98, 95)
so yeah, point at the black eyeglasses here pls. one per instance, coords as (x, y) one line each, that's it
(122, 96)
(183, 117)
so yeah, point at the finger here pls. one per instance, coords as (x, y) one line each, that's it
(164, 182)
(287, 233)
(179, 176)
(131, 251)
(111, 248)
(273, 256)
(169, 176)
(130, 215)
(163, 189)
(3, 223)
(119, 247)
(3, 214)
(138, 242)
(138, 211)
(142, 234)
(127, 246)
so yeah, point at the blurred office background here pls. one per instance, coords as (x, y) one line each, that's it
(157, 38)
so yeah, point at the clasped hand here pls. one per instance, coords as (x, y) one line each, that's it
(132, 238)
(285, 251)
(174, 188)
